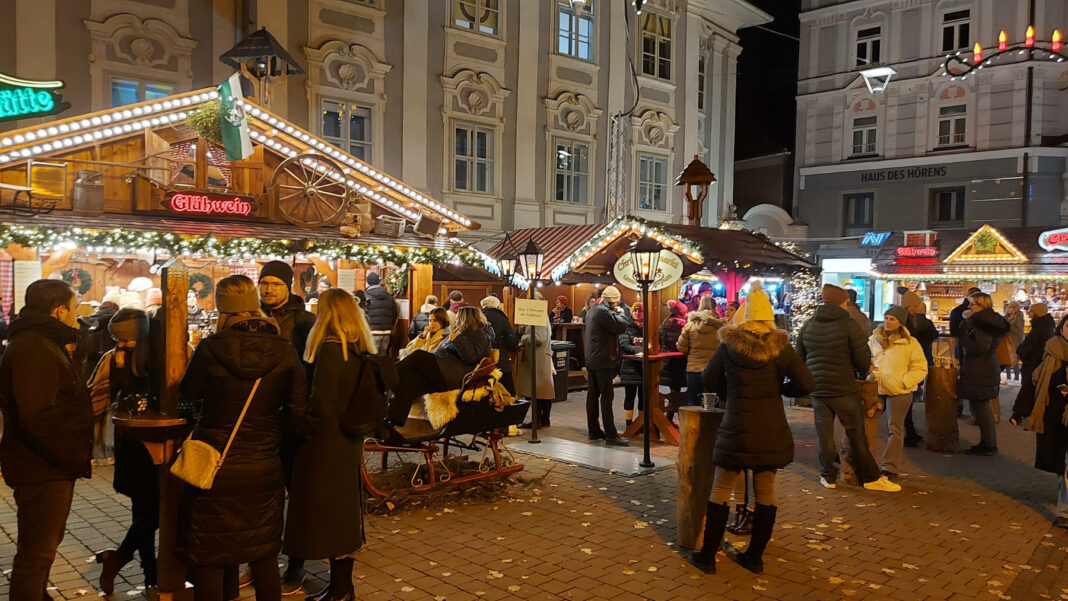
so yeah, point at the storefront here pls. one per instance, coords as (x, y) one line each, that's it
(1025, 265)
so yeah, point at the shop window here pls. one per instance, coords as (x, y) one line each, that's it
(575, 31)
(869, 46)
(347, 126)
(864, 136)
(952, 125)
(656, 45)
(955, 30)
(473, 158)
(482, 16)
(859, 212)
(947, 207)
(652, 182)
(128, 91)
(571, 183)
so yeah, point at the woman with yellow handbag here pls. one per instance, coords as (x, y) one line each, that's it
(250, 384)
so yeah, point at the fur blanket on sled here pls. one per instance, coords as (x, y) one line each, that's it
(442, 407)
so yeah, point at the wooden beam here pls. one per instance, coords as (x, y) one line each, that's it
(420, 284)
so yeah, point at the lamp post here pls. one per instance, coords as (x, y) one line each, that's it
(695, 175)
(646, 263)
(530, 259)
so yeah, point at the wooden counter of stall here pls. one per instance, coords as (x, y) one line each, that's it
(150, 191)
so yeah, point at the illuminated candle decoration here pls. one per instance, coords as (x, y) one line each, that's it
(1003, 41)
(977, 53)
(1029, 38)
(1055, 41)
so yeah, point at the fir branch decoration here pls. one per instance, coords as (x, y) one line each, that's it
(205, 121)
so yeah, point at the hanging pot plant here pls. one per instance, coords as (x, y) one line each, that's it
(205, 121)
(985, 243)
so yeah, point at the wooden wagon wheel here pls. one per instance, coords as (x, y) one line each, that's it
(309, 197)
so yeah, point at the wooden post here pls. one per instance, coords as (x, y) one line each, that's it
(698, 429)
(940, 410)
(175, 283)
(421, 284)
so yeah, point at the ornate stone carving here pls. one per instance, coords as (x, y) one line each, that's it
(151, 43)
(474, 93)
(571, 112)
(654, 128)
(346, 66)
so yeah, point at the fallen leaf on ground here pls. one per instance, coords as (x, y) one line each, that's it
(835, 580)
(587, 551)
(406, 589)
(638, 525)
(652, 568)
(514, 588)
(629, 572)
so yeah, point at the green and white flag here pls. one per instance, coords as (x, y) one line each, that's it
(232, 120)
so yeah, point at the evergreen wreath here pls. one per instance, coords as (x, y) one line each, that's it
(985, 243)
(396, 281)
(84, 280)
(206, 285)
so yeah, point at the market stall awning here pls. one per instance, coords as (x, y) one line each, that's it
(1003, 254)
(558, 242)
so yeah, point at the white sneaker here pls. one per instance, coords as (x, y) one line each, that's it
(825, 484)
(883, 484)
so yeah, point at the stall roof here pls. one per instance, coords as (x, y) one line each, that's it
(952, 244)
(569, 246)
(56, 138)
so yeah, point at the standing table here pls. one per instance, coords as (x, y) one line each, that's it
(659, 423)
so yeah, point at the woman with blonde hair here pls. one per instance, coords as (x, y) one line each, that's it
(470, 340)
(978, 335)
(348, 386)
(245, 368)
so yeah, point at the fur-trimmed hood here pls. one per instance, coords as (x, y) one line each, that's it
(704, 318)
(754, 341)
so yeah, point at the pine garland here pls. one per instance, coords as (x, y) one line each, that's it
(804, 290)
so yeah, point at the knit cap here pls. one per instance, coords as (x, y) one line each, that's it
(833, 295)
(757, 306)
(278, 269)
(491, 302)
(899, 313)
(237, 302)
(611, 294)
(910, 299)
(1039, 309)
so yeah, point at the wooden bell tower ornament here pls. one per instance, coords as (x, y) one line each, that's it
(698, 175)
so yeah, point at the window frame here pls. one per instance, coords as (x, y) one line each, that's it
(702, 81)
(479, 6)
(658, 41)
(563, 7)
(934, 200)
(141, 88)
(873, 44)
(955, 24)
(472, 161)
(848, 207)
(665, 187)
(869, 144)
(570, 174)
(346, 144)
(953, 138)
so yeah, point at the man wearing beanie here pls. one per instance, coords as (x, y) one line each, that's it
(381, 307)
(836, 353)
(605, 321)
(278, 302)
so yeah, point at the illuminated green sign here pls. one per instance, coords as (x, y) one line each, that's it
(24, 98)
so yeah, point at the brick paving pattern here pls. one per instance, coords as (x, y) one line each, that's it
(964, 528)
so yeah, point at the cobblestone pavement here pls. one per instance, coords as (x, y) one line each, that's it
(964, 528)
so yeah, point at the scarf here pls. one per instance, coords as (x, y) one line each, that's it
(1056, 352)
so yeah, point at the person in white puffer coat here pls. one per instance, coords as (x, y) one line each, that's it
(899, 366)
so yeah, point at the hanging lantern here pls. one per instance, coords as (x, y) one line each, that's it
(1055, 41)
(1003, 41)
(977, 53)
(1029, 37)
(646, 260)
(531, 259)
(508, 264)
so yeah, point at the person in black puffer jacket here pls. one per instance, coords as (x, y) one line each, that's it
(1030, 353)
(978, 335)
(239, 520)
(836, 352)
(630, 370)
(504, 339)
(752, 369)
(48, 430)
(381, 307)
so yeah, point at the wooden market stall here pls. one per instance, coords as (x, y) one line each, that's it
(579, 260)
(150, 190)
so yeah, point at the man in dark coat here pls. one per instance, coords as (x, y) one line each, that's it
(277, 301)
(504, 339)
(1030, 353)
(604, 323)
(381, 307)
(48, 429)
(94, 339)
(836, 353)
(979, 381)
(925, 333)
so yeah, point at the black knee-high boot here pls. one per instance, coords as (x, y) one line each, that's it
(341, 588)
(763, 523)
(715, 525)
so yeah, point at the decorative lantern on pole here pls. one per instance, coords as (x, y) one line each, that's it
(646, 263)
(695, 175)
(530, 260)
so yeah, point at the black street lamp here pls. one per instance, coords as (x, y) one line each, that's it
(530, 260)
(646, 264)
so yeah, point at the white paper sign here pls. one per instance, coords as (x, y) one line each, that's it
(404, 308)
(668, 271)
(346, 279)
(531, 312)
(25, 273)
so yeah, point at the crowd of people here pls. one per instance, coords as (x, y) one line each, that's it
(290, 396)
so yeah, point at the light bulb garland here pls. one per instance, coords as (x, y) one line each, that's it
(804, 288)
(621, 227)
(123, 241)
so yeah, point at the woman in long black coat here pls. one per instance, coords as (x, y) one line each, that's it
(978, 336)
(239, 519)
(753, 367)
(630, 370)
(325, 516)
(1030, 352)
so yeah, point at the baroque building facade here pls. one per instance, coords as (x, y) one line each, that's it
(516, 113)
